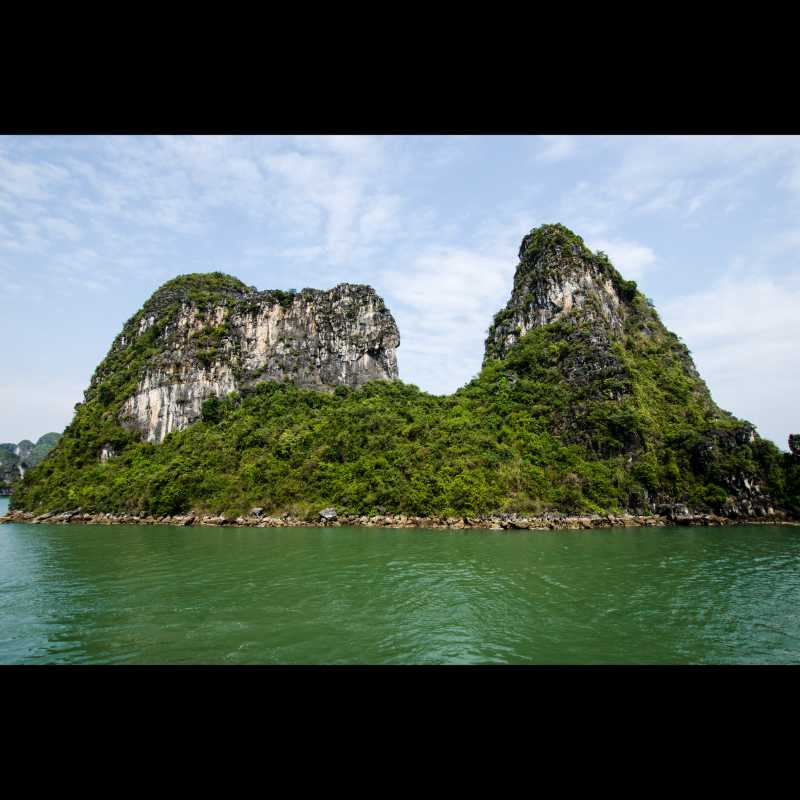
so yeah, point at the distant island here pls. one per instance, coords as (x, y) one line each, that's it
(219, 401)
(17, 459)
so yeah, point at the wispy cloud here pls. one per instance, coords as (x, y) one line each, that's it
(62, 228)
(433, 223)
(30, 181)
(445, 301)
(743, 332)
(632, 259)
(331, 195)
(556, 148)
(347, 194)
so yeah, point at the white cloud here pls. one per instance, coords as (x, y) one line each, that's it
(502, 233)
(722, 189)
(665, 198)
(30, 181)
(356, 210)
(630, 258)
(743, 334)
(326, 196)
(787, 241)
(62, 228)
(26, 237)
(444, 303)
(383, 217)
(312, 253)
(680, 174)
(365, 152)
(438, 240)
(791, 179)
(557, 148)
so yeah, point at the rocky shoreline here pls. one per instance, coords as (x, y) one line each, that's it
(329, 518)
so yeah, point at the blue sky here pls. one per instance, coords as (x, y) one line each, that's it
(90, 226)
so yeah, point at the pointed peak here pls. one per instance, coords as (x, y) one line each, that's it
(551, 250)
(558, 277)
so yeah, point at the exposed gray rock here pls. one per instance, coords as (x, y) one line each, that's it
(494, 522)
(674, 511)
(549, 283)
(328, 514)
(316, 339)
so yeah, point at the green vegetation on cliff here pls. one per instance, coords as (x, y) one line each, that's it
(596, 411)
(21, 457)
(518, 438)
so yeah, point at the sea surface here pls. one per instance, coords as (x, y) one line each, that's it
(89, 594)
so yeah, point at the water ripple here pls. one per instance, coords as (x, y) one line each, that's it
(128, 594)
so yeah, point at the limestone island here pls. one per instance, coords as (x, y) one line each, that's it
(219, 404)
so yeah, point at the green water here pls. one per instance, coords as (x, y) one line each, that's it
(157, 595)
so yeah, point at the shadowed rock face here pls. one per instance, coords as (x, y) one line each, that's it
(208, 347)
(606, 335)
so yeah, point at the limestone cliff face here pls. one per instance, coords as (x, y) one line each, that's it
(188, 346)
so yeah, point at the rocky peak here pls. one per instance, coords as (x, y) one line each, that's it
(557, 277)
(17, 458)
(206, 335)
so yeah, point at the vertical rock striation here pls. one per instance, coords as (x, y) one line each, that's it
(203, 336)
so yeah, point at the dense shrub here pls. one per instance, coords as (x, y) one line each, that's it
(570, 420)
(520, 437)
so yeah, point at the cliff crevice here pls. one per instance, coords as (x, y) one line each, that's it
(200, 337)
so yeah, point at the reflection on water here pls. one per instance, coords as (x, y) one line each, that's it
(128, 594)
